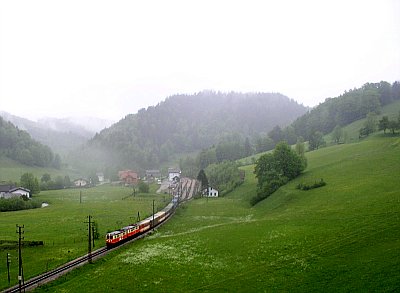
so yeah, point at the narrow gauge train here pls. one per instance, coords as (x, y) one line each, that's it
(124, 234)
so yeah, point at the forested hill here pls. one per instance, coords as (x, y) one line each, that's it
(18, 145)
(187, 123)
(351, 106)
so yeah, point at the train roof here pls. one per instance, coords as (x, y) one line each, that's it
(160, 213)
(129, 227)
(114, 232)
(149, 219)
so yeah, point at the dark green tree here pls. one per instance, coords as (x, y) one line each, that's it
(276, 169)
(202, 177)
(30, 182)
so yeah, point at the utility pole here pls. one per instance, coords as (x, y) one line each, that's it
(8, 267)
(80, 192)
(89, 238)
(93, 230)
(153, 213)
(20, 268)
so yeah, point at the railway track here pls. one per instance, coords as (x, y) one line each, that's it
(62, 270)
(53, 274)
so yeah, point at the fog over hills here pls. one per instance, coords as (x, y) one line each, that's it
(187, 123)
(61, 134)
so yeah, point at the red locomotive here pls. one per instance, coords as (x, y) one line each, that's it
(115, 238)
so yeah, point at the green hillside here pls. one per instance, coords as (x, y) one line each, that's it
(352, 130)
(341, 237)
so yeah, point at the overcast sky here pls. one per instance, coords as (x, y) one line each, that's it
(110, 58)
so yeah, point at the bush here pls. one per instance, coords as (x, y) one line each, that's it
(302, 186)
(143, 187)
(18, 203)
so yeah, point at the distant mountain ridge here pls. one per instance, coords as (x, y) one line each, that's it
(188, 123)
(61, 134)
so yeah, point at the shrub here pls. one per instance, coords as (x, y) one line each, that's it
(302, 186)
(18, 203)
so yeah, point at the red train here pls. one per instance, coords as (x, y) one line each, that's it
(115, 238)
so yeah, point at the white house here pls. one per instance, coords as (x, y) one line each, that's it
(8, 191)
(20, 191)
(211, 192)
(173, 174)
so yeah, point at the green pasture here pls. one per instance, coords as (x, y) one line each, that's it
(62, 227)
(343, 237)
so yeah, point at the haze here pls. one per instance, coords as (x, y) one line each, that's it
(108, 59)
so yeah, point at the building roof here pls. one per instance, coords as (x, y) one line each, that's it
(19, 188)
(6, 188)
(174, 170)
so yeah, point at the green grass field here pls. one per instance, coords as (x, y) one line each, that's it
(61, 225)
(343, 237)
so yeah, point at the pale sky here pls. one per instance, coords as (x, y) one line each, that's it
(111, 58)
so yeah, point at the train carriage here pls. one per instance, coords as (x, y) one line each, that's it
(116, 237)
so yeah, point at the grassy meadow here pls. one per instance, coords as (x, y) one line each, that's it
(61, 225)
(341, 237)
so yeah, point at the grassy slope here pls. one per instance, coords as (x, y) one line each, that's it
(342, 237)
(61, 225)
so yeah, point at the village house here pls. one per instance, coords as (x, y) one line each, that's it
(211, 192)
(8, 191)
(128, 177)
(174, 174)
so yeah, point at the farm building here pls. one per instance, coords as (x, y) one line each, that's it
(128, 176)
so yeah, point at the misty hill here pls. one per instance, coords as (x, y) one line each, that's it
(18, 145)
(62, 135)
(188, 123)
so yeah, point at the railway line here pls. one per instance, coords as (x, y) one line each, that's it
(187, 192)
